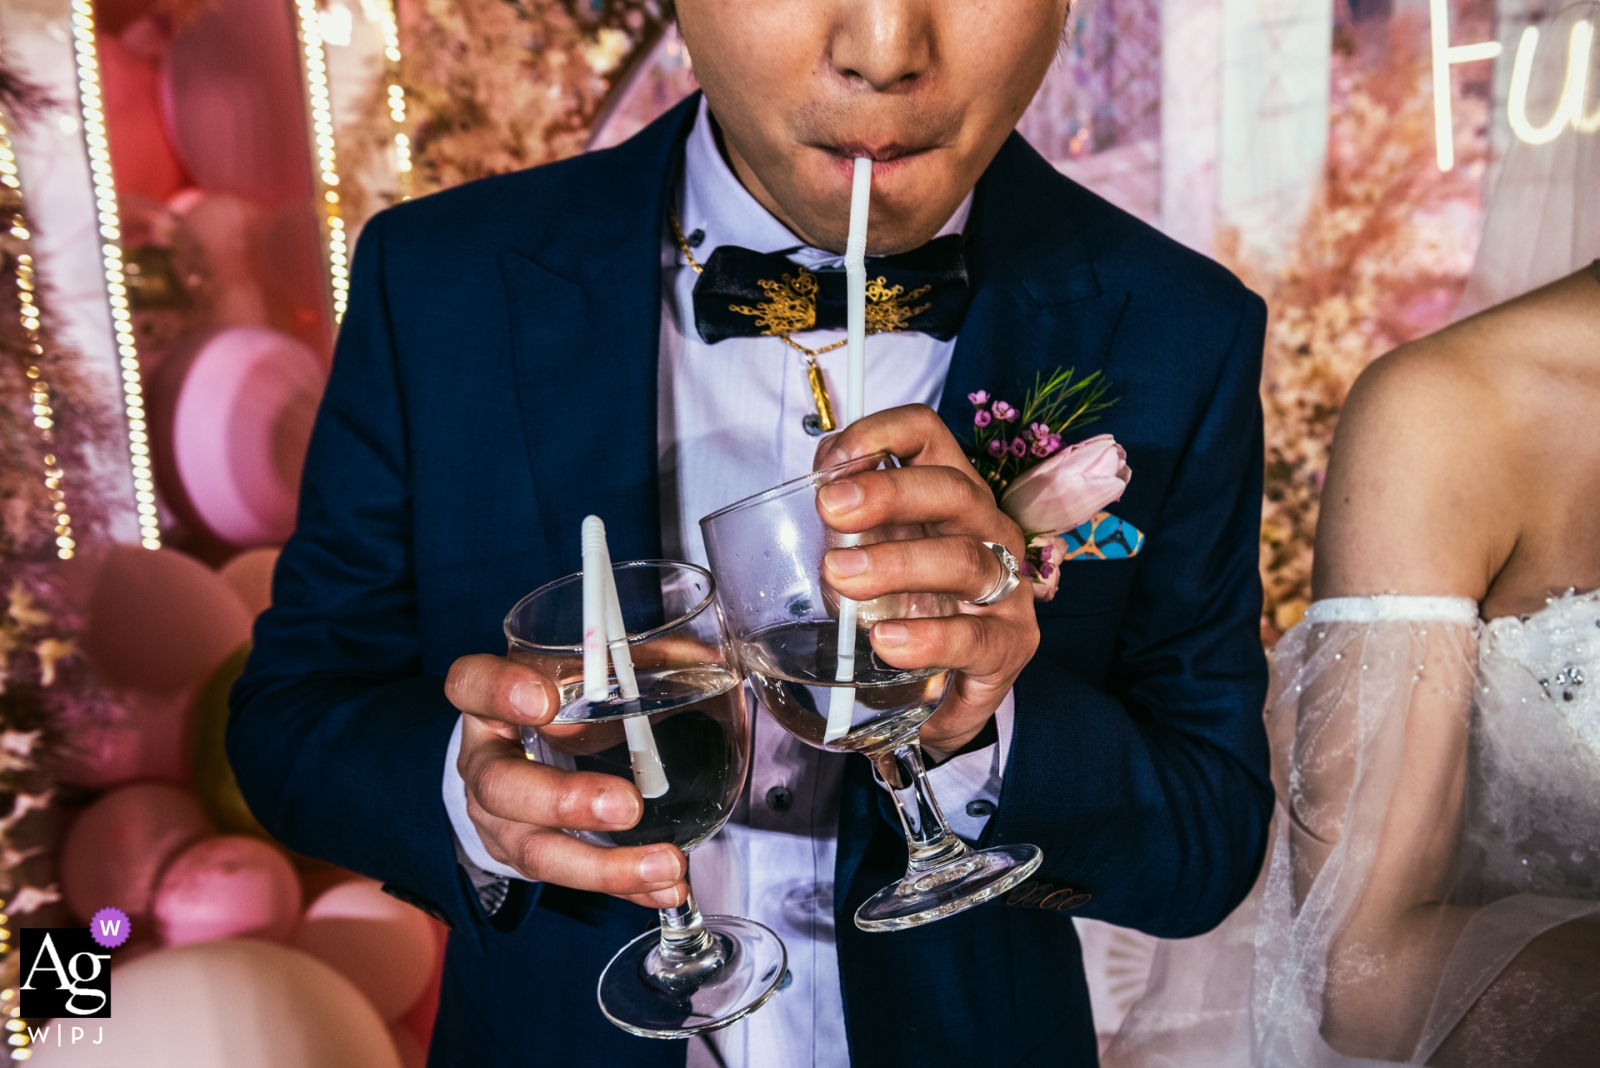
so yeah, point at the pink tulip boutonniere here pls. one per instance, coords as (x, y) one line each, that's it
(1054, 492)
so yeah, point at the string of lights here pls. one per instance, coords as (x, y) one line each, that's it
(105, 192)
(15, 222)
(17, 1028)
(396, 97)
(316, 73)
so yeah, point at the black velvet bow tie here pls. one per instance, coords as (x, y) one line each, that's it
(741, 293)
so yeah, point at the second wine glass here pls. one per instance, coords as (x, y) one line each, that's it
(684, 741)
(766, 552)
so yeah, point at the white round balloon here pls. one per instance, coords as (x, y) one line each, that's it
(237, 1002)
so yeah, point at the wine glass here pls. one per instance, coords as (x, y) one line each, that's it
(766, 552)
(685, 742)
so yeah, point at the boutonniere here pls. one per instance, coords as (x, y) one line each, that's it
(1054, 492)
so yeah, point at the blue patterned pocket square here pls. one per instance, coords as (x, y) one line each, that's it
(1105, 537)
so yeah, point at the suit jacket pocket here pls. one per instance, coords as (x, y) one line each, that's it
(1091, 588)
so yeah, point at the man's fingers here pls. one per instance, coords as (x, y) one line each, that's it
(913, 432)
(966, 707)
(554, 857)
(661, 899)
(979, 646)
(502, 689)
(507, 785)
(962, 566)
(652, 875)
(908, 495)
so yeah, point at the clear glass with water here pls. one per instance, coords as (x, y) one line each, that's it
(766, 553)
(685, 743)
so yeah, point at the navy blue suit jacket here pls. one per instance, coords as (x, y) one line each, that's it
(495, 380)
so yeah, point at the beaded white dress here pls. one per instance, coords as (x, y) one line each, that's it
(1438, 809)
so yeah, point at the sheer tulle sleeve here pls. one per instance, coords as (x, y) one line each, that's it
(1370, 718)
(1367, 938)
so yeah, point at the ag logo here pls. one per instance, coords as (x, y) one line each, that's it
(64, 973)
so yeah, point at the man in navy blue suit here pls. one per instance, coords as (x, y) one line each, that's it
(525, 350)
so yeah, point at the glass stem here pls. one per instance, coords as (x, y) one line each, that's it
(929, 839)
(683, 934)
(688, 955)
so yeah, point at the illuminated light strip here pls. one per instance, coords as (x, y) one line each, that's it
(18, 1038)
(316, 69)
(396, 98)
(38, 388)
(105, 193)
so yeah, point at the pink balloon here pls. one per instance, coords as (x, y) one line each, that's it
(226, 887)
(160, 621)
(250, 575)
(145, 162)
(228, 230)
(238, 430)
(114, 852)
(234, 103)
(383, 946)
(139, 735)
(413, 1054)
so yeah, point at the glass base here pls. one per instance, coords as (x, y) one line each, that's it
(960, 884)
(749, 964)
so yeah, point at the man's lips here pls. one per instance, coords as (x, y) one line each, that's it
(886, 153)
(887, 160)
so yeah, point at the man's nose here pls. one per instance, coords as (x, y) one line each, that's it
(885, 43)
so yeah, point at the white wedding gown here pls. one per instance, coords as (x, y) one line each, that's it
(1439, 786)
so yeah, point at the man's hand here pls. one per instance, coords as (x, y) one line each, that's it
(987, 647)
(523, 809)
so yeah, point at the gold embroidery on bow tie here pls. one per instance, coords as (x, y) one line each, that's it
(888, 309)
(790, 307)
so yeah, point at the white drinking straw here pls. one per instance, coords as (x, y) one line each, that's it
(596, 686)
(609, 633)
(616, 633)
(648, 773)
(842, 699)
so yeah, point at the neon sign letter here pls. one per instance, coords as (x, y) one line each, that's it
(1574, 89)
(1446, 56)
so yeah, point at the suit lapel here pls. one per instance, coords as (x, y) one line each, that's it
(1038, 303)
(585, 305)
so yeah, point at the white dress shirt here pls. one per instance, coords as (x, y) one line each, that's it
(731, 424)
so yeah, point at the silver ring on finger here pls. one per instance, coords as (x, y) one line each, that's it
(1010, 576)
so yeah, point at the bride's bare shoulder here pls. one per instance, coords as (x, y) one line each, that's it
(1414, 479)
(1445, 444)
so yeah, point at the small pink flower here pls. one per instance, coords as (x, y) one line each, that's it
(1068, 488)
(997, 448)
(979, 399)
(1004, 412)
(1041, 447)
(1039, 431)
(981, 418)
(1019, 448)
